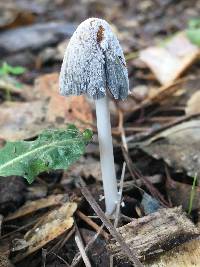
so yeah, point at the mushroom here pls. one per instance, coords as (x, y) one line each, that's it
(94, 65)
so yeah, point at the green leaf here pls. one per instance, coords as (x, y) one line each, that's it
(16, 70)
(194, 36)
(52, 150)
(6, 69)
(194, 23)
(193, 31)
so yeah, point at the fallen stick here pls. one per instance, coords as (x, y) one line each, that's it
(156, 233)
(92, 224)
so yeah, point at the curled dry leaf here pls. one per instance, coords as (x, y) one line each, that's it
(169, 62)
(53, 225)
(33, 206)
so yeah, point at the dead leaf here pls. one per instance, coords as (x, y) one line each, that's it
(54, 224)
(179, 146)
(20, 120)
(193, 104)
(85, 168)
(32, 206)
(23, 120)
(169, 62)
(12, 85)
(61, 110)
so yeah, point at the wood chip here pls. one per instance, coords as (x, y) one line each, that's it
(160, 231)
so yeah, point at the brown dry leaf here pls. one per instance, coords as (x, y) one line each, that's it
(20, 120)
(169, 62)
(23, 120)
(193, 104)
(32, 206)
(62, 110)
(54, 224)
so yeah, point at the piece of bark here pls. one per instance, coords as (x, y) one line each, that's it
(187, 255)
(153, 234)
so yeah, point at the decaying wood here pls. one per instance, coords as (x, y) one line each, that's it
(153, 234)
(185, 255)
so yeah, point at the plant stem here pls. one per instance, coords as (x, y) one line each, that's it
(192, 194)
(106, 154)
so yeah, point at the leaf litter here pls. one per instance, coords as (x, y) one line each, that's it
(54, 224)
(156, 121)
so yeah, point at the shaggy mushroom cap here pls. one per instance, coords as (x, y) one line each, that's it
(94, 62)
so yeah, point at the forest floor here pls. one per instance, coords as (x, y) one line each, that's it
(156, 137)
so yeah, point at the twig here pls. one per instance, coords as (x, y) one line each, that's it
(77, 257)
(162, 93)
(192, 194)
(118, 204)
(61, 259)
(136, 174)
(146, 135)
(126, 249)
(19, 229)
(92, 224)
(120, 195)
(61, 242)
(80, 246)
(121, 130)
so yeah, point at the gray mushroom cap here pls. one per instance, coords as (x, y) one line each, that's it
(94, 62)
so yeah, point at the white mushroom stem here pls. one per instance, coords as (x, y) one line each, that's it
(106, 154)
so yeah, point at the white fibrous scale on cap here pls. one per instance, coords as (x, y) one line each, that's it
(94, 62)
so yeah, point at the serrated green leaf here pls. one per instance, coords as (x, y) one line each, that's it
(52, 150)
